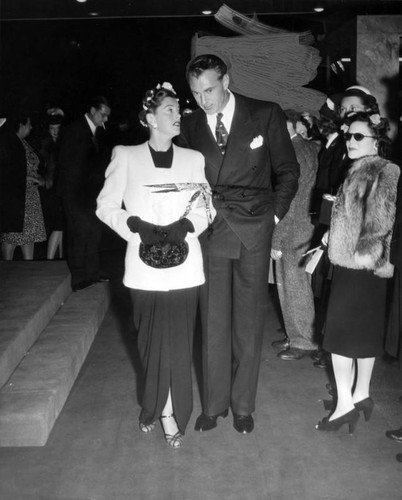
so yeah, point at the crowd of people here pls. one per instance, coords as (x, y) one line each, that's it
(204, 204)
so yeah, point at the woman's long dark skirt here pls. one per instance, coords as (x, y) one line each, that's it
(355, 321)
(165, 323)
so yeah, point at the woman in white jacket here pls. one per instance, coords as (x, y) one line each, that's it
(156, 194)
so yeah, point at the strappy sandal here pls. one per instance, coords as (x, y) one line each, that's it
(173, 440)
(147, 428)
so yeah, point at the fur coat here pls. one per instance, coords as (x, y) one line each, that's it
(363, 217)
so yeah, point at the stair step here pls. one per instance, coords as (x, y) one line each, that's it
(34, 395)
(30, 294)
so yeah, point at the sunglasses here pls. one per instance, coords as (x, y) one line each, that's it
(356, 136)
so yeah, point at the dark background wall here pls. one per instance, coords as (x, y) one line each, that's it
(62, 63)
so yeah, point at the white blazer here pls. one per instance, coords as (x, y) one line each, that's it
(127, 192)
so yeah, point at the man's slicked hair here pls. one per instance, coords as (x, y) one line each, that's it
(202, 63)
(98, 101)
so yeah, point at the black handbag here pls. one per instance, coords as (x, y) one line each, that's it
(163, 255)
(326, 209)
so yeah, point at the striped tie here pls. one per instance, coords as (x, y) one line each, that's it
(221, 133)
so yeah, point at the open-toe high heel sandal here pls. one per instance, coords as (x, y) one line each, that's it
(173, 440)
(147, 428)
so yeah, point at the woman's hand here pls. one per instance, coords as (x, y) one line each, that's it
(177, 231)
(149, 233)
(37, 180)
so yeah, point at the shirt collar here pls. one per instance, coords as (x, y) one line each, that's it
(91, 124)
(331, 139)
(227, 117)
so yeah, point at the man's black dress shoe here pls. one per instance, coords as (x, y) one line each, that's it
(103, 279)
(323, 362)
(292, 354)
(243, 423)
(316, 355)
(82, 285)
(396, 435)
(281, 344)
(206, 422)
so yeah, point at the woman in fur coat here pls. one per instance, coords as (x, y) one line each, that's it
(358, 247)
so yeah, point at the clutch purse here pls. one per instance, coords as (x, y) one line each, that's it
(326, 209)
(163, 255)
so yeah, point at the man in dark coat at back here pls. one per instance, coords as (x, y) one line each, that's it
(245, 142)
(82, 162)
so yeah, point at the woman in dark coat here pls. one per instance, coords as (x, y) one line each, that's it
(393, 344)
(51, 201)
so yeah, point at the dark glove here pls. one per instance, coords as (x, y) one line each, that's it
(149, 233)
(177, 231)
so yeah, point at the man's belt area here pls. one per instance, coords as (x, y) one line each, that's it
(233, 192)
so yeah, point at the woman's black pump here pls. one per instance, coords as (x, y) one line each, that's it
(349, 418)
(366, 406)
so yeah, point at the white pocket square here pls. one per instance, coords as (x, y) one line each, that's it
(256, 142)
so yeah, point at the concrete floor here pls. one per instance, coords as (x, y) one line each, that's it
(97, 452)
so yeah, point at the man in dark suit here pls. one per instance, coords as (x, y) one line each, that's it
(240, 158)
(82, 161)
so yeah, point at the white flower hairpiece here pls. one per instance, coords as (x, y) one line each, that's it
(166, 86)
(344, 128)
(150, 94)
(375, 119)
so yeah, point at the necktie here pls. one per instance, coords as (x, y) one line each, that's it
(221, 133)
(95, 139)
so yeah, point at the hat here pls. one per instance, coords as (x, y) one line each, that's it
(328, 110)
(354, 90)
(55, 116)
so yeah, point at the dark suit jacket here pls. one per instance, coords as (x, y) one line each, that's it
(82, 161)
(13, 178)
(243, 192)
(396, 242)
(333, 163)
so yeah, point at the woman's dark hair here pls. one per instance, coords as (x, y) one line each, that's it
(293, 116)
(327, 126)
(204, 62)
(152, 100)
(378, 125)
(16, 119)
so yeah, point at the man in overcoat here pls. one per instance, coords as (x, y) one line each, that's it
(241, 159)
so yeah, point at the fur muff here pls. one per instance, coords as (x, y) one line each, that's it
(363, 217)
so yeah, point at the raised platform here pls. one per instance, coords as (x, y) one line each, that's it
(30, 295)
(47, 331)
